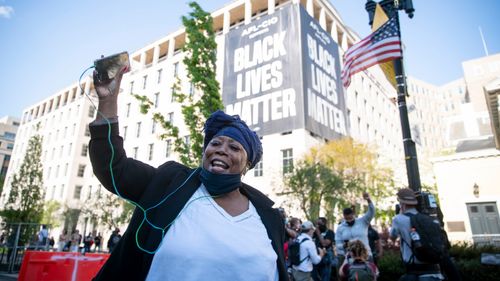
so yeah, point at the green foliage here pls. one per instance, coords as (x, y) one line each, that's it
(108, 210)
(467, 258)
(390, 266)
(25, 199)
(51, 214)
(314, 185)
(200, 61)
(334, 176)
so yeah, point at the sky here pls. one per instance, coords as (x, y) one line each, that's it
(45, 45)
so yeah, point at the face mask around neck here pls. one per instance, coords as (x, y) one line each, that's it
(218, 184)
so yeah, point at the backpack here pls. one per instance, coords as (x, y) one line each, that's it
(360, 272)
(431, 238)
(294, 251)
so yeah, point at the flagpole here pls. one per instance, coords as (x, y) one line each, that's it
(392, 7)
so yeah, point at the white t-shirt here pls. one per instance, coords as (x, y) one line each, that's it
(206, 243)
(308, 254)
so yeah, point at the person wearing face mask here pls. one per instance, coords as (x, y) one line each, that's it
(324, 238)
(353, 228)
(191, 223)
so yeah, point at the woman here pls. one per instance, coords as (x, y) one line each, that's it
(356, 266)
(190, 224)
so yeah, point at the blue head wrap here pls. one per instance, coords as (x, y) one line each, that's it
(221, 124)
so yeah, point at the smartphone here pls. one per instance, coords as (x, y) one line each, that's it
(108, 67)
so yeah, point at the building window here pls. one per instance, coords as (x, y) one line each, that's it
(145, 80)
(57, 171)
(127, 114)
(168, 148)
(125, 132)
(257, 170)
(70, 146)
(187, 141)
(191, 89)
(9, 136)
(136, 152)
(138, 132)
(78, 192)
(170, 117)
(10, 146)
(84, 150)
(131, 87)
(176, 69)
(287, 160)
(159, 75)
(87, 131)
(150, 153)
(153, 127)
(81, 170)
(157, 100)
(66, 169)
(91, 111)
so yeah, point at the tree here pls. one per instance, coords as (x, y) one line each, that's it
(200, 61)
(25, 199)
(108, 210)
(334, 176)
(52, 214)
(313, 185)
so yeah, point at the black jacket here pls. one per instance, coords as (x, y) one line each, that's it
(147, 186)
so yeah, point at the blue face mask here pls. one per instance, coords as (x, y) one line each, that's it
(218, 184)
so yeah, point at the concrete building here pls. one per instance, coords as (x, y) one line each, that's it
(8, 130)
(468, 177)
(371, 116)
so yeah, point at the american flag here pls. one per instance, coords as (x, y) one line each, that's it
(382, 45)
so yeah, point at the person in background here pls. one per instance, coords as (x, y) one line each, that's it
(356, 265)
(87, 242)
(401, 227)
(353, 228)
(43, 235)
(308, 253)
(375, 244)
(324, 239)
(97, 242)
(113, 240)
(76, 239)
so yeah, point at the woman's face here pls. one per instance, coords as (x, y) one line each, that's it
(224, 155)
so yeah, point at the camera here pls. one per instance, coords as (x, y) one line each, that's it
(108, 67)
(427, 204)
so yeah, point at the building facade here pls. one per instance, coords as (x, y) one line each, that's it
(8, 130)
(467, 177)
(370, 113)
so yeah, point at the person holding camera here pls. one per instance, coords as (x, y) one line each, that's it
(308, 253)
(356, 265)
(192, 223)
(353, 228)
(402, 227)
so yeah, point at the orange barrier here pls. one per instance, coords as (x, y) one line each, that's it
(60, 266)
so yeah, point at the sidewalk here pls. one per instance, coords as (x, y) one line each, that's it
(8, 277)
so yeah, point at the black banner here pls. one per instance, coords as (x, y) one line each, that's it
(325, 109)
(282, 72)
(262, 80)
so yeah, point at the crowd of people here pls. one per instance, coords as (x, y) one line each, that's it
(352, 251)
(75, 242)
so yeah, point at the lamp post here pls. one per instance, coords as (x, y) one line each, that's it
(391, 8)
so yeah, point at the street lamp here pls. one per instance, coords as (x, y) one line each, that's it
(391, 8)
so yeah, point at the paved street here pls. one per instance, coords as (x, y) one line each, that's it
(8, 277)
